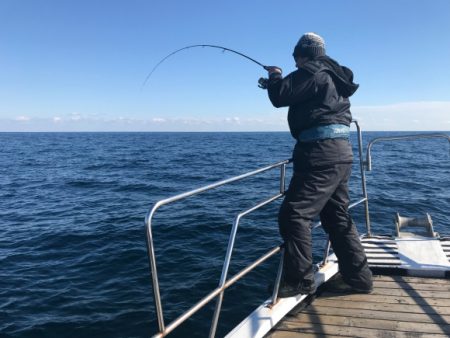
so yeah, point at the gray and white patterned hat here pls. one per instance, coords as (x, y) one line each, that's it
(310, 45)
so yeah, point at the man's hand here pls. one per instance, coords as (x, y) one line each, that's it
(273, 70)
(263, 82)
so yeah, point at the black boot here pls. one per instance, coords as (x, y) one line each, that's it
(304, 287)
(337, 284)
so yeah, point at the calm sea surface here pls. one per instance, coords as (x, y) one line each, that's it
(73, 257)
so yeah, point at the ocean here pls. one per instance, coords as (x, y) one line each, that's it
(73, 255)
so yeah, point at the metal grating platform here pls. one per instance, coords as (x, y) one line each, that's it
(426, 257)
(381, 251)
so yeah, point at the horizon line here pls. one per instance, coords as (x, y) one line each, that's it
(212, 131)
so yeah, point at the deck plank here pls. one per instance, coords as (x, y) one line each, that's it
(377, 298)
(413, 292)
(413, 286)
(345, 331)
(326, 309)
(400, 306)
(408, 279)
(292, 334)
(367, 323)
(396, 308)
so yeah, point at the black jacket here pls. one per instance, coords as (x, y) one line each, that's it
(317, 94)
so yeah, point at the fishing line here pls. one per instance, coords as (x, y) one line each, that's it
(194, 46)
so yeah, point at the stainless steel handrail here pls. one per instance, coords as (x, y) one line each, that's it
(177, 322)
(148, 221)
(226, 263)
(368, 162)
(363, 178)
(276, 287)
(224, 283)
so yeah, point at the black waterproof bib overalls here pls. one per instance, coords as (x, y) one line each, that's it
(317, 95)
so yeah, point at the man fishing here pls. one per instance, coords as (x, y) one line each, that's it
(319, 116)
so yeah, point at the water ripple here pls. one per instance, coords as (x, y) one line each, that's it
(73, 256)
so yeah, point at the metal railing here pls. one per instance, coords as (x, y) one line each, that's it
(224, 283)
(368, 162)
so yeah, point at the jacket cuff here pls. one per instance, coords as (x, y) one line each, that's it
(275, 76)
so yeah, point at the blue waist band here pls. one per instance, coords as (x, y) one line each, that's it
(324, 132)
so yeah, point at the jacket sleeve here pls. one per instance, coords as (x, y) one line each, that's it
(294, 88)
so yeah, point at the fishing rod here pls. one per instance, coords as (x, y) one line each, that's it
(194, 46)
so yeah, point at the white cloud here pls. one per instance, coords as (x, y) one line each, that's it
(75, 117)
(158, 120)
(419, 115)
(400, 116)
(22, 118)
(235, 120)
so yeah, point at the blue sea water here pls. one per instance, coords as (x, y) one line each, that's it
(73, 257)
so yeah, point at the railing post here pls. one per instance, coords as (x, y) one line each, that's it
(152, 259)
(326, 252)
(363, 179)
(223, 277)
(276, 286)
(282, 178)
(226, 263)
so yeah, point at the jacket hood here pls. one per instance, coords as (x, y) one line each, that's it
(342, 76)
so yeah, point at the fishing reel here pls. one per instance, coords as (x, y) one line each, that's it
(263, 83)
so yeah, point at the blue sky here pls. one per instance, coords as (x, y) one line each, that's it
(79, 65)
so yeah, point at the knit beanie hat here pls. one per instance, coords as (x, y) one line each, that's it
(310, 45)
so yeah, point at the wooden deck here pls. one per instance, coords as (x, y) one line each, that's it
(398, 307)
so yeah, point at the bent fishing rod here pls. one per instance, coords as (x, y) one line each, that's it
(194, 46)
